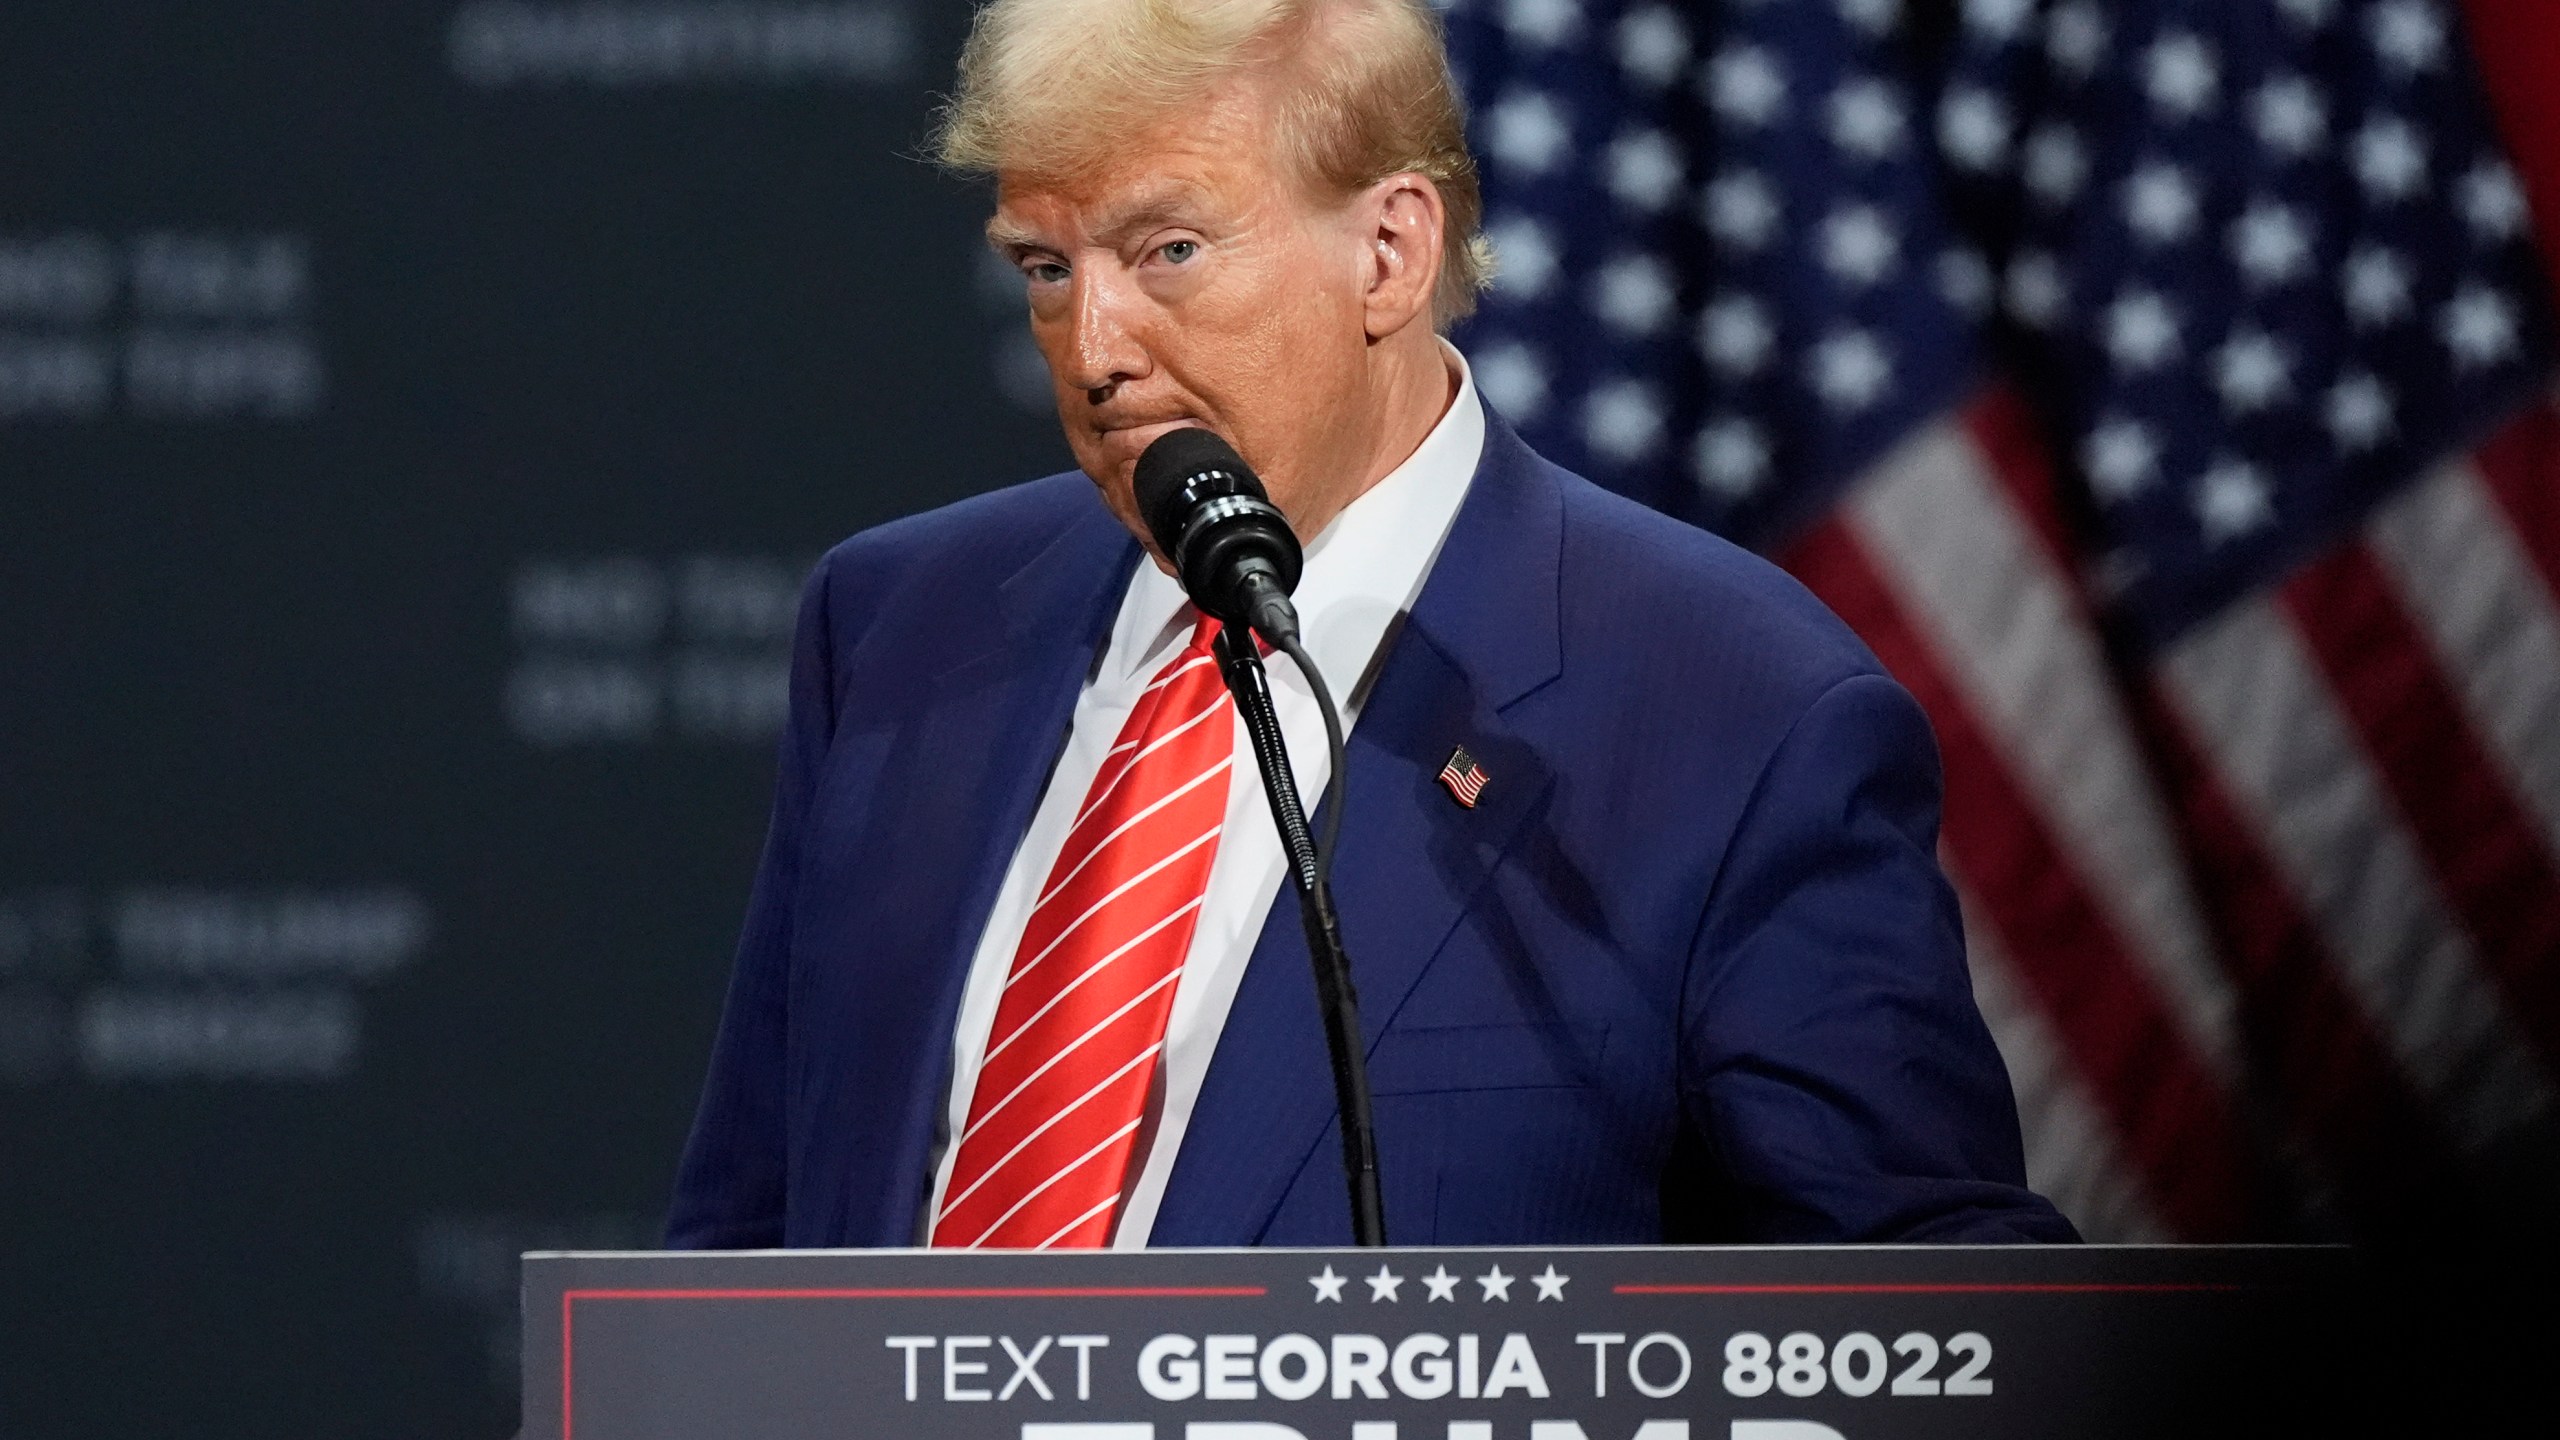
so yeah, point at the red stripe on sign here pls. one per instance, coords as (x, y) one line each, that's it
(2517, 45)
(2057, 1288)
(2480, 843)
(2173, 1118)
(2521, 464)
(2330, 1076)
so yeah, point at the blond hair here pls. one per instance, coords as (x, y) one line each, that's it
(1364, 92)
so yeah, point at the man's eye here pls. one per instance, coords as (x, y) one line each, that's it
(1045, 273)
(1180, 251)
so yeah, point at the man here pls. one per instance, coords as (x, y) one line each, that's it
(1636, 867)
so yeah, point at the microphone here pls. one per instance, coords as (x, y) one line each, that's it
(1229, 545)
(1238, 560)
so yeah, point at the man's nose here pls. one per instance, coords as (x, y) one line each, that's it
(1102, 349)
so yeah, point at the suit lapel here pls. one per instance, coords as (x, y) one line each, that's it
(1482, 635)
(958, 780)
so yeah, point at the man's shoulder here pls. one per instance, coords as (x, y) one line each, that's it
(945, 556)
(1673, 593)
(1019, 519)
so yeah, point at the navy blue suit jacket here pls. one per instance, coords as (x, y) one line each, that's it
(1689, 971)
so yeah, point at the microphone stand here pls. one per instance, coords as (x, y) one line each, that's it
(1340, 1003)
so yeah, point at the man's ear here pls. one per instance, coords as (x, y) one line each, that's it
(1404, 220)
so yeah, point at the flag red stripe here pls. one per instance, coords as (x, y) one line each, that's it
(2521, 466)
(2479, 842)
(2517, 45)
(2327, 1072)
(2005, 431)
(2173, 1117)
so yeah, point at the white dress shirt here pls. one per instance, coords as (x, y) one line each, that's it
(1361, 574)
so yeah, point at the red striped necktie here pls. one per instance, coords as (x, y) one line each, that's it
(1054, 1118)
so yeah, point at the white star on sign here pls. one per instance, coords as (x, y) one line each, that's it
(1524, 257)
(2358, 413)
(2075, 38)
(2142, 331)
(2036, 294)
(2181, 75)
(1851, 370)
(2252, 372)
(1744, 85)
(1442, 1285)
(2390, 159)
(1735, 335)
(2231, 500)
(2271, 243)
(1653, 46)
(2122, 459)
(2479, 327)
(2160, 204)
(1997, 19)
(1740, 209)
(1528, 133)
(1497, 1286)
(1543, 24)
(1866, 119)
(1643, 169)
(1514, 379)
(1550, 1284)
(2289, 116)
(1730, 458)
(1973, 128)
(1383, 1285)
(2492, 202)
(2056, 164)
(2377, 286)
(1328, 1286)
(1858, 246)
(2407, 34)
(1622, 420)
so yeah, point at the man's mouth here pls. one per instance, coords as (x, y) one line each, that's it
(1135, 436)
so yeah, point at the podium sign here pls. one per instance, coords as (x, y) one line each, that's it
(1563, 1344)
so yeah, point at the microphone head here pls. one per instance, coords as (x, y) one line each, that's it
(1210, 517)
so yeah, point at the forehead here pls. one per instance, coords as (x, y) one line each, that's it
(1198, 163)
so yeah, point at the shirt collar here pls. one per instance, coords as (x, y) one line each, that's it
(1364, 569)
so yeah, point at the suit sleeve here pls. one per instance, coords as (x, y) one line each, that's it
(730, 1187)
(1833, 1059)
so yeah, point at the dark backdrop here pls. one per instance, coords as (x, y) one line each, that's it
(415, 419)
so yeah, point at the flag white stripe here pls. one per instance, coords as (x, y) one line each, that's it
(953, 1202)
(2072, 1156)
(2247, 688)
(2002, 619)
(2460, 572)
(1068, 1169)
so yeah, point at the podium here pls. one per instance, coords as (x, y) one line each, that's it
(1675, 1343)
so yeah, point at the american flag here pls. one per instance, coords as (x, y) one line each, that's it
(2163, 389)
(1464, 778)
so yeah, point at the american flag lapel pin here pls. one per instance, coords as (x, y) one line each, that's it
(1463, 777)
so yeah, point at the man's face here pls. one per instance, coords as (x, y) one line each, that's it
(1194, 281)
